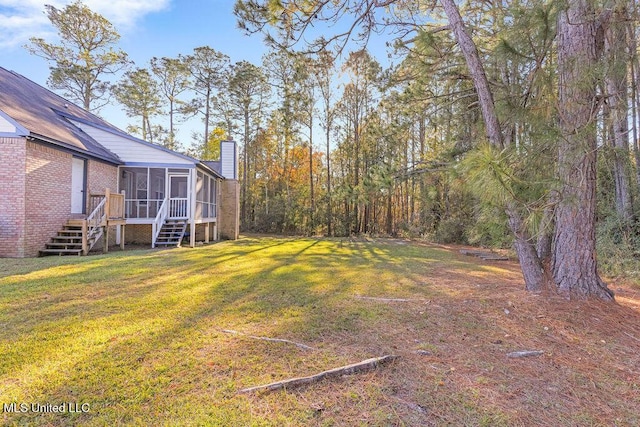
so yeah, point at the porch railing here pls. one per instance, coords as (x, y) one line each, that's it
(115, 205)
(105, 210)
(142, 208)
(156, 226)
(179, 208)
(205, 210)
(92, 226)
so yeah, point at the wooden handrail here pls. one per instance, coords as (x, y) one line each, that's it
(115, 205)
(92, 226)
(156, 226)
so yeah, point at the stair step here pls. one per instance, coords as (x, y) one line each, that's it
(68, 238)
(68, 241)
(51, 245)
(171, 233)
(60, 251)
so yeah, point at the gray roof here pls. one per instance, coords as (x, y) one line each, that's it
(38, 110)
(215, 165)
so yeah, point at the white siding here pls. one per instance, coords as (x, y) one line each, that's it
(6, 126)
(229, 159)
(131, 151)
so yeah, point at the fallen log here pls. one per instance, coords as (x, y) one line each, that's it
(297, 344)
(365, 365)
(525, 353)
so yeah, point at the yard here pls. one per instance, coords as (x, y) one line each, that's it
(145, 338)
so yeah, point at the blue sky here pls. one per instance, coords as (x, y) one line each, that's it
(148, 28)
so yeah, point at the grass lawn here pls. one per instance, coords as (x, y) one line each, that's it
(139, 338)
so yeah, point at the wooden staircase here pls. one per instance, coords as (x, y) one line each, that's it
(69, 240)
(171, 233)
(78, 236)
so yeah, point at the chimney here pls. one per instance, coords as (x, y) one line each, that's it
(229, 159)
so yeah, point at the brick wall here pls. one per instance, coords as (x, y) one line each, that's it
(12, 196)
(229, 212)
(138, 234)
(201, 231)
(35, 193)
(101, 176)
(47, 195)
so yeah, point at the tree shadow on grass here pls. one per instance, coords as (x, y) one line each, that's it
(146, 343)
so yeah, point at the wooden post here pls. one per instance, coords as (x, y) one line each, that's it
(207, 229)
(107, 208)
(85, 244)
(123, 226)
(105, 246)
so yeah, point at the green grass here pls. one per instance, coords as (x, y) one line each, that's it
(138, 335)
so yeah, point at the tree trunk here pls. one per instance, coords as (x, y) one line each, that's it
(311, 189)
(389, 221)
(329, 213)
(244, 220)
(617, 100)
(574, 265)
(479, 77)
(529, 261)
(635, 78)
(634, 105)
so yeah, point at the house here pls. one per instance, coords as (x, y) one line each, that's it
(70, 180)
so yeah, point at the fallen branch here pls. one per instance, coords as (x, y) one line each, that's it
(630, 336)
(363, 366)
(297, 344)
(384, 299)
(526, 353)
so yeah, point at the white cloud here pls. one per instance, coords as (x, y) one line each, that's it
(125, 13)
(22, 19)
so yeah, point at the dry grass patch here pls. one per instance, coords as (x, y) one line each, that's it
(139, 337)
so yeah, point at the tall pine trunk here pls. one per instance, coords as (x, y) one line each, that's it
(617, 99)
(529, 262)
(574, 266)
(329, 196)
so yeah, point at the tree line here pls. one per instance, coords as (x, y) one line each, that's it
(504, 123)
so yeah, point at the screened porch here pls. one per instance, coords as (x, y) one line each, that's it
(172, 193)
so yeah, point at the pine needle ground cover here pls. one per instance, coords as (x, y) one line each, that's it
(144, 338)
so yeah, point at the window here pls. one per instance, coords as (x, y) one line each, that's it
(141, 186)
(157, 180)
